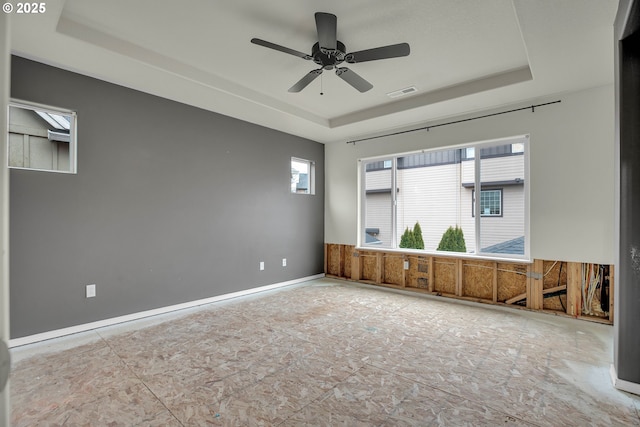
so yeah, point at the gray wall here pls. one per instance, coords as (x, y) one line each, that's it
(627, 297)
(170, 204)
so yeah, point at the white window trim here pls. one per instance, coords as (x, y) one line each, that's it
(311, 177)
(478, 255)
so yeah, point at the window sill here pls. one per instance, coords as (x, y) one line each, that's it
(443, 254)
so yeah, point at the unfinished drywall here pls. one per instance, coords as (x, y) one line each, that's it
(170, 204)
(580, 290)
(571, 170)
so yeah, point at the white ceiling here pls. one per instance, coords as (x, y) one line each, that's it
(466, 55)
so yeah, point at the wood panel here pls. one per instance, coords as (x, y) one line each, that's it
(534, 288)
(445, 273)
(555, 276)
(369, 266)
(334, 260)
(417, 276)
(512, 280)
(394, 270)
(478, 279)
(574, 289)
(347, 255)
(356, 266)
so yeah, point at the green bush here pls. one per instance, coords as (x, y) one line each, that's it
(417, 236)
(453, 240)
(407, 240)
(412, 239)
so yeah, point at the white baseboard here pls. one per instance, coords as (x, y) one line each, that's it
(623, 385)
(17, 342)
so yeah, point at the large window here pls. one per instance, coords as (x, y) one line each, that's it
(437, 190)
(41, 138)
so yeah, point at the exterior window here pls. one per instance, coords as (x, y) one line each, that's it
(517, 148)
(302, 176)
(490, 202)
(434, 192)
(470, 152)
(41, 138)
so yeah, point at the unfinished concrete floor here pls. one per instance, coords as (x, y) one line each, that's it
(326, 353)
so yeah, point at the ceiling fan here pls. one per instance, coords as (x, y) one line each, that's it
(329, 53)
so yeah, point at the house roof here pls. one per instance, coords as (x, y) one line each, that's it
(513, 247)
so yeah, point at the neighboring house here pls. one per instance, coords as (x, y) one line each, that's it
(437, 190)
(38, 140)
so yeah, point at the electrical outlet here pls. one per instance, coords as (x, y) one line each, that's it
(406, 265)
(284, 262)
(261, 265)
(91, 291)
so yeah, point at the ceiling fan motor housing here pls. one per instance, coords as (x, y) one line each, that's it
(328, 59)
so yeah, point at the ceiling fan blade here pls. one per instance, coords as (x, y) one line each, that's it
(274, 46)
(304, 82)
(353, 79)
(384, 52)
(327, 24)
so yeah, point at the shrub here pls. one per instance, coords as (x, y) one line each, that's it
(453, 240)
(412, 239)
(417, 236)
(407, 240)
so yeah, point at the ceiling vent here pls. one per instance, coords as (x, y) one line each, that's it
(402, 92)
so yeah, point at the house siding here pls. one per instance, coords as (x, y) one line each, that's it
(435, 197)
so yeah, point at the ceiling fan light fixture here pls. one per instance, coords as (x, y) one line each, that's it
(402, 92)
(329, 52)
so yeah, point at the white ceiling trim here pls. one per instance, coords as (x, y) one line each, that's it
(72, 28)
(466, 56)
(494, 81)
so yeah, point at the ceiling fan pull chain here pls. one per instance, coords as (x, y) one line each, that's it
(321, 85)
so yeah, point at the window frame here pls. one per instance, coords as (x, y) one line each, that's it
(311, 175)
(473, 203)
(73, 133)
(477, 146)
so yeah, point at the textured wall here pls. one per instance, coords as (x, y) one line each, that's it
(170, 204)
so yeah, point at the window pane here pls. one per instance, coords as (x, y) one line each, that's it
(468, 199)
(302, 176)
(377, 205)
(502, 215)
(41, 138)
(431, 193)
(491, 202)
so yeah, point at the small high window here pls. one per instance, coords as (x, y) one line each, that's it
(302, 176)
(41, 138)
